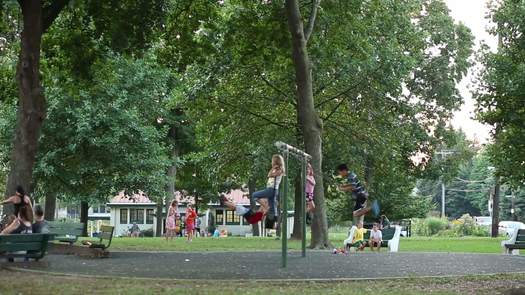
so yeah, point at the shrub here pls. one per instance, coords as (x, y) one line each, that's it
(466, 226)
(428, 226)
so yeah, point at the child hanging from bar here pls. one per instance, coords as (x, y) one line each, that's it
(267, 197)
(248, 214)
(309, 190)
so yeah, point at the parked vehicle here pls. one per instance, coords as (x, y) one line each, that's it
(483, 220)
(508, 227)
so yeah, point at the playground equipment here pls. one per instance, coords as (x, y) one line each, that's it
(286, 151)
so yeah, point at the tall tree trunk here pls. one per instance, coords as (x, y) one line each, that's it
(298, 214)
(84, 206)
(31, 103)
(495, 209)
(50, 207)
(308, 119)
(32, 106)
(251, 189)
(172, 175)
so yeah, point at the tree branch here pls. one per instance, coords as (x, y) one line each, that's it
(311, 21)
(281, 92)
(51, 12)
(352, 87)
(279, 124)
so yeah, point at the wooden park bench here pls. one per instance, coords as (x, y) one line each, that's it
(24, 245)
(66, 232)
(516, 242)
(391, 236)
(99, 247)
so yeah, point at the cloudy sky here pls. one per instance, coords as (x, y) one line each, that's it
(473, 14)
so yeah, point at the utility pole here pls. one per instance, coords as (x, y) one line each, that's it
(442, 199)
(443, 154)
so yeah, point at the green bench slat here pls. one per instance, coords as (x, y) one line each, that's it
(22, 246)
(21, 238)
(67, 232)
(30, 245)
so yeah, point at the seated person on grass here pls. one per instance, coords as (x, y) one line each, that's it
(376, 237)
(359, 237)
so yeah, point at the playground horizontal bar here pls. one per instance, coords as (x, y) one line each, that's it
(284, 146)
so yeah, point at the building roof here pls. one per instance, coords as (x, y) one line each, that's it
(237, 196)
(139, 198)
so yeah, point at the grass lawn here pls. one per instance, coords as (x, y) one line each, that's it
(28, 283)
(422, 244)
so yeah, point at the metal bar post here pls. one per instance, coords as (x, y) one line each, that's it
(303, 208)
(284, 213)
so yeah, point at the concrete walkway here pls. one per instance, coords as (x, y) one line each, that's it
(266, 265)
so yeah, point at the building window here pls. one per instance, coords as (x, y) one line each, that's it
(136, 216)
(149, 216)
(231, 218)
(219, 218)
(123, 216)
(100, 209)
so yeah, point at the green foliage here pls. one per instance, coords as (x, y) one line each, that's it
(103, 135)
(499, 97)
(428, 226)
(466, 226)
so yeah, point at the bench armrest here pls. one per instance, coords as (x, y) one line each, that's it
(351, 234)
(512, 239)
(393, 244)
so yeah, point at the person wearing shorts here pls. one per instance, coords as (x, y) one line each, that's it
(191, 215)
(359, 193)
(376, 237)
(359, 237)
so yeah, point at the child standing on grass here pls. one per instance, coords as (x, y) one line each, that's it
(190, 222)
(171, 223)
(267, 197)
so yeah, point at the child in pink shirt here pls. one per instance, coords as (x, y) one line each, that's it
(310, 185)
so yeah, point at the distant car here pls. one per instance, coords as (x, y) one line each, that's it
(483, 220)
(508, 227)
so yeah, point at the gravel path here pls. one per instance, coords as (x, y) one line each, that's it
(266, 265)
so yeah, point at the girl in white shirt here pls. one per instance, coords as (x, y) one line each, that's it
(267, 197)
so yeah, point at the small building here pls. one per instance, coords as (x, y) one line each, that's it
(126, 210)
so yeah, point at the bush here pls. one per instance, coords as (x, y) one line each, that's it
(466, 226)
(428, 226)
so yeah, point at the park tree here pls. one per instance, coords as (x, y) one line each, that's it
(499, 94)
(359, 75)
(37, 17)
(112, 141)
(111, 24)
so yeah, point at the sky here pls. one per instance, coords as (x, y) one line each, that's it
(472, 13)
